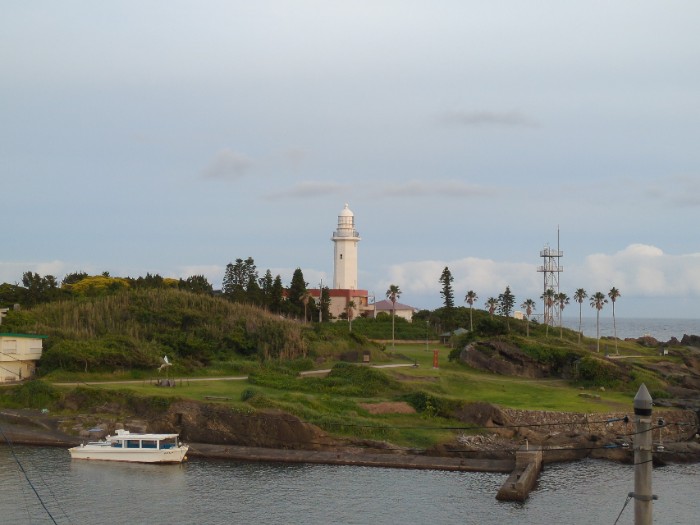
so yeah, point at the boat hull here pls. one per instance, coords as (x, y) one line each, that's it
(172, 455)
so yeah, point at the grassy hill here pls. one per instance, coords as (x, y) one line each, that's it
(125, 335)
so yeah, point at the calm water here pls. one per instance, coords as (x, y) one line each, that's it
(661, 329)
(218, 492)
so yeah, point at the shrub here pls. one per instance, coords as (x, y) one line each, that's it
(596, 372)
(490, 326)
(35, 394)
(431, 405)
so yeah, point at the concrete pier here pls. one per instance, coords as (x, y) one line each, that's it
(528, 465)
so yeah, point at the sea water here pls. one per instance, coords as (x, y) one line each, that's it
(661, 329)
(226, 492)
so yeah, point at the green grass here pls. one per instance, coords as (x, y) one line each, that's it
(334, 403)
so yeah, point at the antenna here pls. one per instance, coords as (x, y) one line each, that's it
(550, 269)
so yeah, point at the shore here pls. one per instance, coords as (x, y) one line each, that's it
(23, 427)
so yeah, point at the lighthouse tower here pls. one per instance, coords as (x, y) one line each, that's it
(345, 239)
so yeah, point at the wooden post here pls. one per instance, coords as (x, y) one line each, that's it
(642, 458)
(435, 358)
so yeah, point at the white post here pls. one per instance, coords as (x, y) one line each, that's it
(642, 458)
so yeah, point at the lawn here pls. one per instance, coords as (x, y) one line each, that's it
(322, 402)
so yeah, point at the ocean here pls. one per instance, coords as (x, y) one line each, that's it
(226, 492)
(660, 329)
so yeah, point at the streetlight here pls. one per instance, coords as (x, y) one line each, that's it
(427, 328)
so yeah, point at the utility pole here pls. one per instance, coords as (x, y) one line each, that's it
(642, 458)
(320, 302)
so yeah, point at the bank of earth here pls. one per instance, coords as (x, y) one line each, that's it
(216, 431)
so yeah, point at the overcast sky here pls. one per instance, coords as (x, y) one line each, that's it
(173, 137)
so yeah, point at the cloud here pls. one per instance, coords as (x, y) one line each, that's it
(11, 272)
(639, 270)
(486, 118)
(454, 189)
(642, 270)
(308, 189)
(485, 276)
(227, 164)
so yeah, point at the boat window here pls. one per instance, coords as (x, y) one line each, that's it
(132, 443)
(117, 444)
(149, 443)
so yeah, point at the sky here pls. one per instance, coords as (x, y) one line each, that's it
(174, 137)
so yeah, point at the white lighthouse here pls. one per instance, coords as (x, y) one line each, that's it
(345, 239)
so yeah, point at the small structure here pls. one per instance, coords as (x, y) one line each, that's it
(446, 336)
(18, 355)
(400, 310)
(528, 464)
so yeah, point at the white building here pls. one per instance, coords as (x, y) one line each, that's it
(18, 355)
(345, 239)
(345, 290)
(399, 310)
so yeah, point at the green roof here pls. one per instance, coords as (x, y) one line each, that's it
(29, 336)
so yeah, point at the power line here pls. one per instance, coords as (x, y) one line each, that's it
(26, 476)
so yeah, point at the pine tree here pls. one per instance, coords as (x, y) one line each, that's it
(506, 302)
(448, 297)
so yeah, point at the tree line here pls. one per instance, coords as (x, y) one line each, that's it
(37, 289)
(504, 304)
(241, 284)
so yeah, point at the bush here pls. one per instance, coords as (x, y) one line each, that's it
(596, 372)
(490, 326)
(35, 394)
(248, 393)
(431, 405)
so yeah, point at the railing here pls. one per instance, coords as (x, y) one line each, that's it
(351, 233)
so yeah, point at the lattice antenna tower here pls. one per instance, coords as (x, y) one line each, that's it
(550, 269)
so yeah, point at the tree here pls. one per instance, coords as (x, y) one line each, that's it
(470, 299)
(350, 310)
(196, 284)
(448, 297)
(72, 278)
(325, 306)
(579, 296)
(305, 298)
(295, 293)
(562, 300)
(39, 289)
(506, 302)
(548, 297)
(529, 306)
(614, 293)
(277, 295)
(393, 293)
(266, 283)
(237, 277)
(598, 300)
(491, 305)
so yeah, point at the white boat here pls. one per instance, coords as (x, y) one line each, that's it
(137, 448)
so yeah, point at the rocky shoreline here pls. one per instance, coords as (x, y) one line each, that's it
(217, 433)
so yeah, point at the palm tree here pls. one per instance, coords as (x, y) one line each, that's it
(393, 293)
(491, 305)
(614, 293)
(305, 298)
(598, 300)
(548, 297)
(350, 309)
(579, 296)
(562, 300)
(529, 306)
(470, 299)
